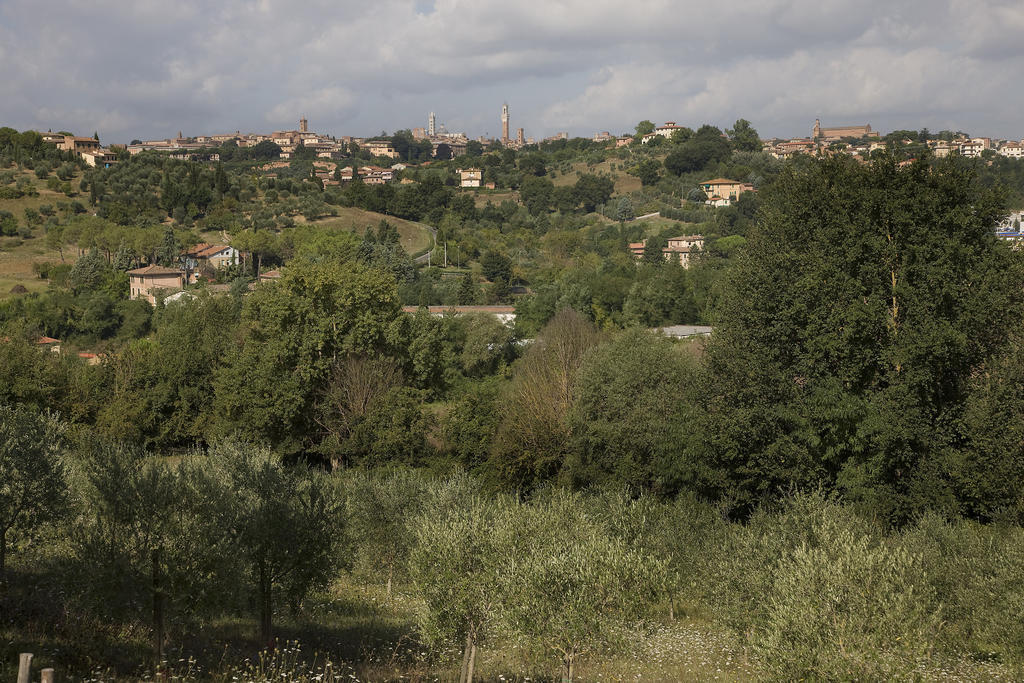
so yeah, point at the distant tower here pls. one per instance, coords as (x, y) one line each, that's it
(303, 125)
(519, 137)
(817, 128)
(504, 122)
(432, 125)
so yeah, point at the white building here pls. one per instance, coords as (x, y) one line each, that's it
(1014, 150)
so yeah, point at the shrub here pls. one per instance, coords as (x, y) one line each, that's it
(849, 609)
(818, 592)
(976, 570)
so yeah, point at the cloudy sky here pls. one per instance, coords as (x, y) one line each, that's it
(148, 68)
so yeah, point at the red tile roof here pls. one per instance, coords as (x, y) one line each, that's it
(210, 250)
(153, 269)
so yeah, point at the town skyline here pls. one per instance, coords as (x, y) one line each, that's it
(505, 136)
(572, 66)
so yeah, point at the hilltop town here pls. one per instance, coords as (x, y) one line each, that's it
(434, 142)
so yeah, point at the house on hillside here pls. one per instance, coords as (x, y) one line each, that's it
(370, 175)
(215, 256)
(77, 144)
(678, 249)
(682, 248)
(664, 131)
(145, 283)
(723, 192)
(1013, 150)
(98, 158)
(470, 177)
(381, 148)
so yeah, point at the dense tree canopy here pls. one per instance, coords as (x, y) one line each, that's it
(293, 332)
(849, 334)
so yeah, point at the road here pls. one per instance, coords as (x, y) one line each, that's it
(433, 236)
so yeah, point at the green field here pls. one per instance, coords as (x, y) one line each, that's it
(17, 254)
(624, 183)
(495, 197)
(415, 237)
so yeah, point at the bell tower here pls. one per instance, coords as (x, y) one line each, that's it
(504, 122)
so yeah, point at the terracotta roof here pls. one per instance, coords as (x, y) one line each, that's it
(210, 250)
(691, 238)
(154, 270)
(721, 181)
(47, 340)
(195, 249)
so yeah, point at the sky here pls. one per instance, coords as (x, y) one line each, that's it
(148, 68)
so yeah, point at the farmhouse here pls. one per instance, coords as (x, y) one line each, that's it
(213, 255)
(470, 177)
(678, 249)
(145, 283)
(723, 192)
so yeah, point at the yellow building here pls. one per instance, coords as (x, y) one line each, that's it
(381, 148)
(144, 283)
(723, 192)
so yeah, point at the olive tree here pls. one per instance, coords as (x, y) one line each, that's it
(148, 538)
(284, 521)
(572, 586)
(33, 489)
(381, 508)
(455, 566)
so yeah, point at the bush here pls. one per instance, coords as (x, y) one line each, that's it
(849, 609)
(976, 570)
(818, 592)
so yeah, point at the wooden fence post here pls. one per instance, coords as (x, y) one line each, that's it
(25, 667)
(46, 676)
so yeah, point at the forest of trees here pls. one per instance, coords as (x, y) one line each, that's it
(562, 485)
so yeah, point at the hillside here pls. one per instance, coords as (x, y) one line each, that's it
(415, 237)
(19, 252)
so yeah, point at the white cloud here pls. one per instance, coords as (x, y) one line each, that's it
(581, 65)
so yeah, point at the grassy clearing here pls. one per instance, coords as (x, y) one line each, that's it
(415, 237)
(624, 183)
(367, 636)
(16, 262)
(16, 254)
(494, 197)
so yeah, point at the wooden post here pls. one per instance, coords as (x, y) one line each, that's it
(25, 667)
(46, 676)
